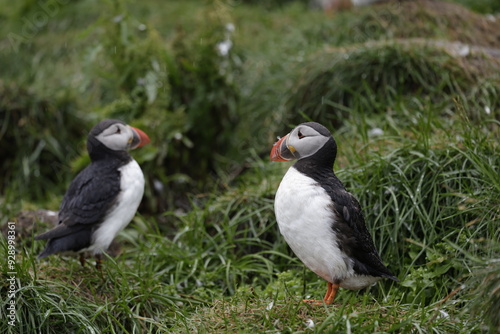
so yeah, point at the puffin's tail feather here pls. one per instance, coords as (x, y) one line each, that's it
(72, 242)
(46, 252)
(394, 278)
(60, 230)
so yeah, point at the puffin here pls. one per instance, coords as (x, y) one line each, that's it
(103, 198)
(319, 219)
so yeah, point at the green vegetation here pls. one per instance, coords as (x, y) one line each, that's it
(410, 91)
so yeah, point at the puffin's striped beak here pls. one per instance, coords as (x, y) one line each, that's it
(281, 151)
(140, 138)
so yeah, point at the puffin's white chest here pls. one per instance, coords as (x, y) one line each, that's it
(305, 218)
(132, 189)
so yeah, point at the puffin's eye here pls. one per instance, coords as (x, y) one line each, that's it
(300, 135)
(118, 130)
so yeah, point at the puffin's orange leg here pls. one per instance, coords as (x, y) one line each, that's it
(331, 292)
(328, 291)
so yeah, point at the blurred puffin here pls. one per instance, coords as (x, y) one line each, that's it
(104, 197)
(321, 222)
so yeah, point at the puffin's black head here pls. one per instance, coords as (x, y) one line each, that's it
(309, 140)
(114, 137)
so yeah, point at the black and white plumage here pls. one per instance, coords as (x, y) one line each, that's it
(321, 222)
(104, 197)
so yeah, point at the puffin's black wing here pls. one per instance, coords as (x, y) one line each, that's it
(90, 196)
(87, 201)
(353, 236)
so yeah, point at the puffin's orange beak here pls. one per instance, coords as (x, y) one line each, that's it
(281, 151)
(140, 138)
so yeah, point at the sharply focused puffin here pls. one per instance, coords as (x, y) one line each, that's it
(321, 222)
(104, 197)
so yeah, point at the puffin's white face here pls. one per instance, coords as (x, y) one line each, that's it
(302, 142)
(121, 137)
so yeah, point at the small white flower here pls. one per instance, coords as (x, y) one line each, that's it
(118, 18)
(391, 189)
(158, 185)
(269, 306)
(444, 314)
(487, 110)
(375, 132)
(464, 50)
(224, 47)
(180, 213)
(309, 323)
(230, 27)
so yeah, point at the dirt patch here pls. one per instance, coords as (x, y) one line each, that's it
(26, 222)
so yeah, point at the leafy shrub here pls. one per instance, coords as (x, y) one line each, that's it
(125, 64)
(183, 92)
(37, 137)
(202, 74)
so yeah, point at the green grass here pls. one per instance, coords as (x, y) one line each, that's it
(223, 267)
(205, 255)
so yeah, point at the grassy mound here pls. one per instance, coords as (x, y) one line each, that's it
(394, 76)
(410, 19)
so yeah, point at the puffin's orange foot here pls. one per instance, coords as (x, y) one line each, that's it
(331, 292)
(312, 302)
